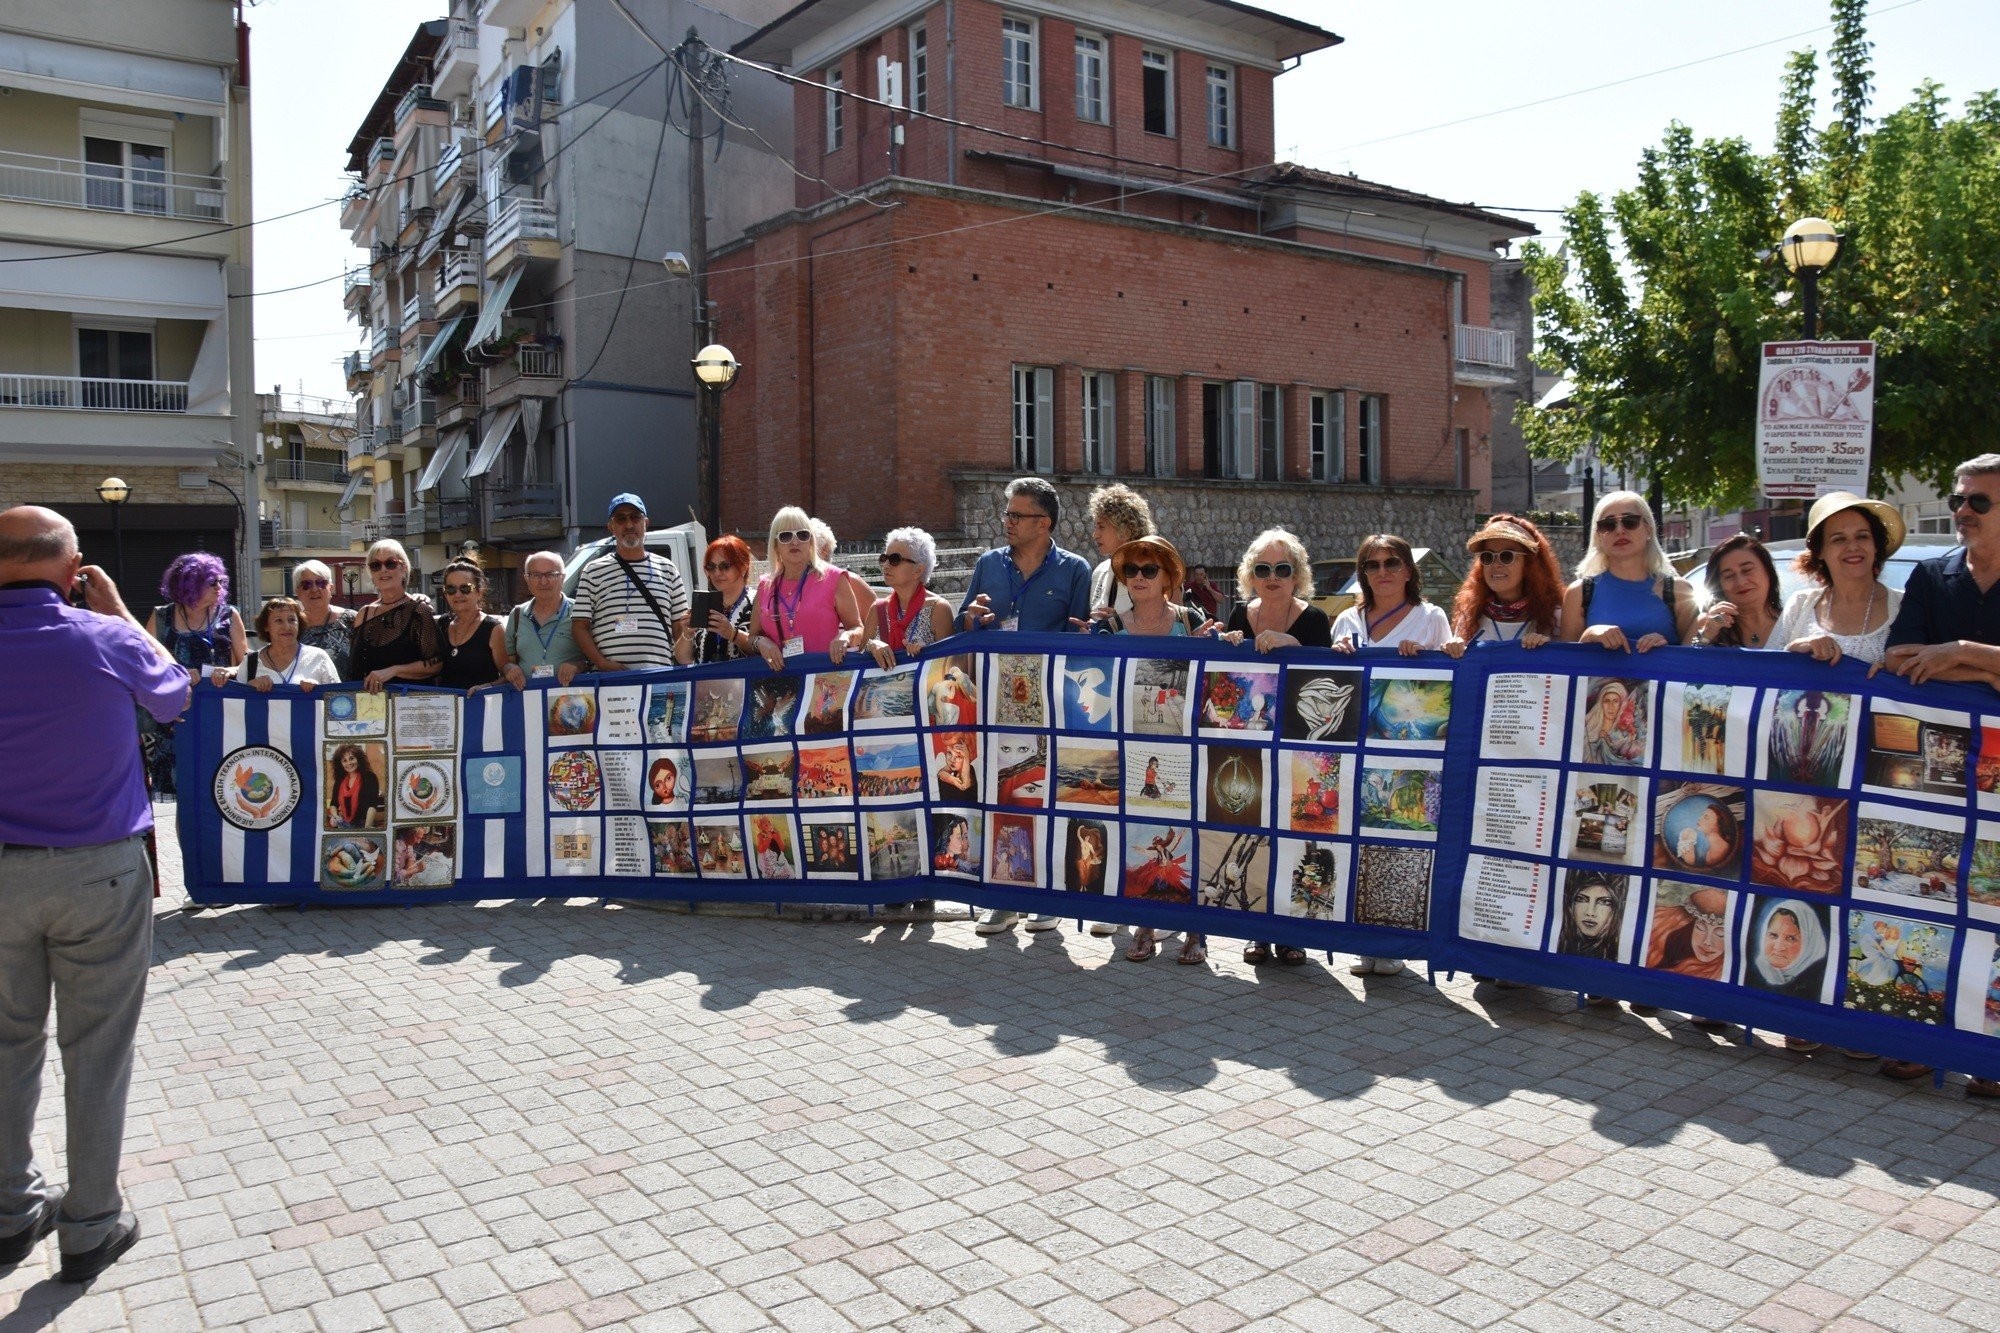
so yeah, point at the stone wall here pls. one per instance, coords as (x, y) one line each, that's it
(1211, 522)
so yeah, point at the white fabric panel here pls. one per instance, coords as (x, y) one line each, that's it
(139, 286)
(232, 837)
(208, 382)
(126, 77)
(278, 861)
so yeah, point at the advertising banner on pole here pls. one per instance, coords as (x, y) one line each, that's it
(1815, 419)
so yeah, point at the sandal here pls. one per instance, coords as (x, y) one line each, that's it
(1289, 956)
(1256, 953)
(1194, 952)
(1144, 945)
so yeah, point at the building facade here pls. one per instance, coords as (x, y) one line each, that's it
(525, 356)
(1106, 277)
(124, 349)
(311, 506)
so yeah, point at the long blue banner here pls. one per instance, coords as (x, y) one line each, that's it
(1752, 837)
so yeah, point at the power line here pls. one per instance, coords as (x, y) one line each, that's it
(639, 233)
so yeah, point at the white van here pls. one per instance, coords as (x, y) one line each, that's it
(683, 544)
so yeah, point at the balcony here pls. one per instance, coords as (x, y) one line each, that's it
(383, 345)
(421, 308)
(457, 62)
(383, 154)
(288, 471)
(458, 165)
(510, 13)
(524, 511)
(524, 230)
(355, 290)
(67, 183)
(361, 450)
(358, 366)
(389, 434)
(1483, 356)
(457, 284)
(393, 524)
(419, 418)
(453, 518)
(417, 97)
(458, 402)
(530, 370)
(307, 539)
(84, 394)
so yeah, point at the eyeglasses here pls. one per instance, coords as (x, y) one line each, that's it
(543, 574)
(379, 565)
(1262, 570)
(1387, 562)
(456, 589)
(789, 538)
(717, 566)
(1979, 504)
(1140, 571)
(1010, 516)
(1498, 557)
(1613, 522)
(890, 559)
(312, 583)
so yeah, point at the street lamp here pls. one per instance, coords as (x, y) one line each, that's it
(1810, 247)
(114, 492)
(715, 366)
(352, 576)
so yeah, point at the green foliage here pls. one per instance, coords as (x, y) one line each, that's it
(1655, 306)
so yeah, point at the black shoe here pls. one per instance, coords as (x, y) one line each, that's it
(15, 1248)
(83, 1267)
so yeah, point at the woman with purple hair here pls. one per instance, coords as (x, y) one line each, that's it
(202, 631)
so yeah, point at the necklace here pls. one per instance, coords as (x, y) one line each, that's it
(1867, 613)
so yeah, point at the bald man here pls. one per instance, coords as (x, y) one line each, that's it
(76, 890)
(540, 639)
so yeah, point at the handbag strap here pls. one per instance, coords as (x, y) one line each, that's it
(646, 592)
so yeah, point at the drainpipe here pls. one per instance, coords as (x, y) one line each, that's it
(951, 91)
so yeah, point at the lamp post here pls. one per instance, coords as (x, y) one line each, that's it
(1810, 247)
(352, 577)
(715, 366)
(240, 516)
(114, 492)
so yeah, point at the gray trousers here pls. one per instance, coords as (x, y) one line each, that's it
(76, 923)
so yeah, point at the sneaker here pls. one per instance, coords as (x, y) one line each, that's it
(996, 922)
(1103, 928)
(1037, 924)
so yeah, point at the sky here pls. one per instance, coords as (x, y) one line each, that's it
(1429, 95)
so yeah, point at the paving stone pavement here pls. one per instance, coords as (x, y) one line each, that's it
(563, 1114)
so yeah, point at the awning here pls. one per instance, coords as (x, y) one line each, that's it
(138, 286)
(355, 482)
(123, 78)
(494, 307)
(493, 441)
(436, 348)
(440, 462)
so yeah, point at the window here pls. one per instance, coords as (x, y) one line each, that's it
(1229, 429)
(1270, 432)
(835, 125)
(1370, 431)
(124, 177)
(920, 69)
(109, 360)
(1159, 426)
(1034, 419)
(1156, 79)
(1221, 106)
(1099, 417)
(1017, 62)
(1462, 462)
(1090, 104)
(1328, 448)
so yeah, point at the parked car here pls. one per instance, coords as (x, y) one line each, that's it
(683, 544)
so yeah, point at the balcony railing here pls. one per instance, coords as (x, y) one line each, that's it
(419, 416)
(294, 469)
(380, 340)
(68, 183)
(316, 539)
(361, 446)
(357, 364)
(535, 359)
(528, 502)
(521, 220)
(1492, 348)
(461, 154)
(85, 394)
(451, 514)
(357, 280)
(458, 270)
(417, 95)
(421, 306)
(383, 152)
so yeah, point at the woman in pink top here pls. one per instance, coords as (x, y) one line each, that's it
(804, 605)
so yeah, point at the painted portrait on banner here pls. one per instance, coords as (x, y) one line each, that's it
(1020, 765)
(830, 847)
(356, 786)
(1786, 943)
(955, 844)
(1614, 723)
(951, 691)
(1086, 693)
(1698, 829)
(954, 766)
(1593, 920)
(1089, 855)
(1688, 933)
(426, 856)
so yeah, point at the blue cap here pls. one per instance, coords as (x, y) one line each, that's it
(625, 498)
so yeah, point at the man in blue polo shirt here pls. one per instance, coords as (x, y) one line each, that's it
(1029, 584)
(76, 891)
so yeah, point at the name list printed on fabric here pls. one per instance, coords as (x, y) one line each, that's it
(1524, 715)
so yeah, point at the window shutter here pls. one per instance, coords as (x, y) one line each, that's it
(1107, 425)
(1045, 419)
(1243, 428)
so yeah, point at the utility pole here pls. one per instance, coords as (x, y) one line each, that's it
(693, 58)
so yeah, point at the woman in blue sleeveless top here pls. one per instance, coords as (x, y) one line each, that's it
(1626, 596)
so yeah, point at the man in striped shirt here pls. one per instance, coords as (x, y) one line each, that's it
(630, 604)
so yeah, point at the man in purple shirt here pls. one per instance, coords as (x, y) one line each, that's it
(76, 891)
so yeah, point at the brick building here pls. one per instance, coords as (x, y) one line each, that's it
(1125, 286)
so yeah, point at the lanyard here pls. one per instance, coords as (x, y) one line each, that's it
(1389, 618)
(1019, 586)
(643, 567)
(788, 609)
(290, 673)
(709, 635)
(555, 623)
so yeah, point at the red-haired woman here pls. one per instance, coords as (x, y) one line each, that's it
(1512, 593)
(727, 632)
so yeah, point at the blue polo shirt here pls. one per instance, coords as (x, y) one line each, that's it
(1048, 599)
(1942, 604)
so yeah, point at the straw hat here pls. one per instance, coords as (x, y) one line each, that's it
(1834, 502)
(1503, 528)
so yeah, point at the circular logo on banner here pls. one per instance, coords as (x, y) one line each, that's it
(423, 789)
(574, 780)
(257, 787)
(494, 775)
(340, 707)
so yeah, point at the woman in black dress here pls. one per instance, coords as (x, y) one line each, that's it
(396, 636)
(474, 643)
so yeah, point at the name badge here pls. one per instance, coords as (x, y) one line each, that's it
(542, 672)
(625, 625)
(795, 646)
(1011, 623)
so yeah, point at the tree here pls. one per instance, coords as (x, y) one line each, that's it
(1655, 307)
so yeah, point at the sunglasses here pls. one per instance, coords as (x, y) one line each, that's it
(312, 583)
(1281, 570)
(455, 589)
(802, 535)
(717, 566)
(1613, 522)
(1978, 504)
(1387, 562)
(1498, 557)
(890, 559)
(1140, 571)
(379, 565)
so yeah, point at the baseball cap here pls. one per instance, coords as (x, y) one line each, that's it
(626, 498)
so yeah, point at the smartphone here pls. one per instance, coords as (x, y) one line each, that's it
(79, 592)
(706, 601)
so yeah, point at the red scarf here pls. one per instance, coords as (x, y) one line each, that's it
(897, 634)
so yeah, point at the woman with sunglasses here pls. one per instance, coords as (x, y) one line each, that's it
(910, 615)
(475, 643)
(396, 636)
(1392, 612)
(1275, 579)
(202, 632)
(730, 628)
(804, 605)
(1513, 591)
(1626, 596)
(322, 625)
(1743, 608)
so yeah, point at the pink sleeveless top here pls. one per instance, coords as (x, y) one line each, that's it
(810, 614)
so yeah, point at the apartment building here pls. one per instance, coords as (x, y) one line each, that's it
(311, 506)
(525, 356)
(124, 166)
(1116, 281)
